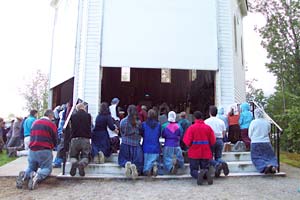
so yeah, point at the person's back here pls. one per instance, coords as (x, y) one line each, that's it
(259, 130)
(245, 117)
(171, 133)
(151, 133)
(28, 124)
(217, 125)
(43, 135)
(199, 138)
(81, 124)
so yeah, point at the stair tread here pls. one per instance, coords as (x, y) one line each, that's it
(184, 176)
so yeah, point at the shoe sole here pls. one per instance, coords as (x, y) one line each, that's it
(134, 171)
(73, 170)
(209, 177)
(20, 180)
(218, 170)
(32, 184)
(101, 157)
(155, 170)
(200, 178)
(174, 163)
(127, 169)
(81, 170)
(225, 169)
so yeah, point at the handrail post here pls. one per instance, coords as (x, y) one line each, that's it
(278, 149)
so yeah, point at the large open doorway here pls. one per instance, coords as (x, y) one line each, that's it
(181, 89)
(63, 93)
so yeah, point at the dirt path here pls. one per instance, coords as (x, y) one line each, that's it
(225, 188)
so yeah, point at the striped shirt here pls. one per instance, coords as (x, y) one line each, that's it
(43, 135)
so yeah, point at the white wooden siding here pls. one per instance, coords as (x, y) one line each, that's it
(226, 77)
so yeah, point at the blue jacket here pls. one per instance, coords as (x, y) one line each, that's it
(27, 125)
(246, 116)
(151, 134)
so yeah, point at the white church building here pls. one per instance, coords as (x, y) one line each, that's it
(187, 53)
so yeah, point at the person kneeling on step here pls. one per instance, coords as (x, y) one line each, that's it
(172, 153)
(219, 128)
(199, 137)
(80, 147)
(43, 137)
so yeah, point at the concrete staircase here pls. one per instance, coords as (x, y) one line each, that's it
(239, 164)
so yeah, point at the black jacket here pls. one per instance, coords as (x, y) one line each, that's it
(81, 124)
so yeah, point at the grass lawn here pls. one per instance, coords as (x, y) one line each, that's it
(292, 159)
(5, 159)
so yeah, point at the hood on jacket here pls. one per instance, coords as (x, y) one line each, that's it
(220, 110)
(245, 107)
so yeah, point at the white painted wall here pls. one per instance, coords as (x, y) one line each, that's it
(63, 57)
(178, 34)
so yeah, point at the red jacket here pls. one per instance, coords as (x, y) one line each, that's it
(199, 137)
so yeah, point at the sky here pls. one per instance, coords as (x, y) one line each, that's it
(25, 45)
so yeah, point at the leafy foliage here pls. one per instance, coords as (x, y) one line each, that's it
(36, 93)
(281, 38)
(254, 94)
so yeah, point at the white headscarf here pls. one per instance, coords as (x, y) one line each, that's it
(172, 116)
(258, 113)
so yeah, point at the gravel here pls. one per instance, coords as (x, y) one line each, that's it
(223, 188)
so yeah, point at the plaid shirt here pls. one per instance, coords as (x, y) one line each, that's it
(130, 135)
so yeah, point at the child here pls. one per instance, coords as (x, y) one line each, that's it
(151, 146)
(172, 154)
(199, 137)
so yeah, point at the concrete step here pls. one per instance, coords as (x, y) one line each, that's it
(114, 168)
(163, 177)
(227, 156)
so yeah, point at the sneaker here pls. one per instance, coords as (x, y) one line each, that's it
(268, 169)
(73, 169)
(33, 181)
(219, 168)
(101, 157)
(81, 170)
(200, 178)
(175, 166)
(20, 180)
(155, 170)
(128, 169)
(225, 168)
(134, 171)
(209, 177)
(96, 159)
(273, 170)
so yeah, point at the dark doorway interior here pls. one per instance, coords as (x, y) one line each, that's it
(63, 93)
(145, 87)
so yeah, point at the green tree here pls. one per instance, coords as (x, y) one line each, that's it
(36, 93)
(254, 94)
(281, 38)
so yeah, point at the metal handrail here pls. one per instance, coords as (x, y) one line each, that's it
(275, 134)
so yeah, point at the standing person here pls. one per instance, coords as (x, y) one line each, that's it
(172, 154)
(114, 137)
(143, 113)
(80, 147)
(151, 147)
(43, 138)
(200, 138)
(219, 128)
(131, 153)
(15, 140)
(100, 137)
(234, 132)
(184, 123)
(2, 124)
(262, 154)
(245, 119)
(27, 127)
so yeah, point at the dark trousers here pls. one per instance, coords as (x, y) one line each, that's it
(245, 138)
(80, 150)
(195, 164)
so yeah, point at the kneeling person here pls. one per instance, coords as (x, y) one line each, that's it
(199, 137)
(43, 137)
(80, 147)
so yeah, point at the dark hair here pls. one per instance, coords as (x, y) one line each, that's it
(198, 115)
(104, 109)
(33, 112)
(152, 114)
(48, 113)
(213, 110)
(132, 114)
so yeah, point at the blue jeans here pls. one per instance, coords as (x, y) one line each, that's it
(168, 153)
(149, 160)
(217, 150)
(195, 164)
(40, 162)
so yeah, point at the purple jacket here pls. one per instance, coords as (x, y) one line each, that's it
(171, 132)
